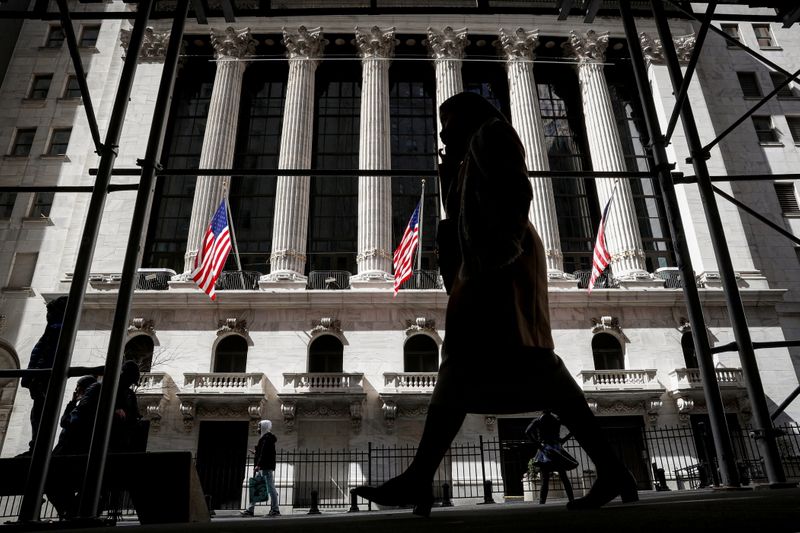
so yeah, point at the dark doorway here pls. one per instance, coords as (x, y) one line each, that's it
(607, 352)
(231, 355)
(326, 354)
(420, 354)
(706, 452)
(626, 435)
(515, 452)
(221, 457)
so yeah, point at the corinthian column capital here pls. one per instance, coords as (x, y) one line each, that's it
(232, 43)
(448, 43)
(304, 43)
(375, 42)
(519, 44)
(654, 52)
(154, 45)
(588, 47)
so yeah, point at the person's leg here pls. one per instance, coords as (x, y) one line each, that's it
(38, 394)
(562, 474)
(545, 487)
(274, 502)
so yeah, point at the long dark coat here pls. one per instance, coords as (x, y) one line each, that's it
(497, 331)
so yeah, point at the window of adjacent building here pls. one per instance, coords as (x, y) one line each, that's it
(420, 354)
(607, 352)
(72, 89)
(23, 141)
(763, 35)
(748, 81)
(733, 31)
(140, 350)
(326, 354)
(42, 202)
(764, 129)
(22, 271)
(59, 141)
(787, 197)
(55, 37)
(687, 346)
(7, 200)
(89, 36)
(786, 91)
(794, 128)
(231, 354)
(40, 86)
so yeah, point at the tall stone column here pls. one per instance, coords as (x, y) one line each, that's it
(290, 231)
(447, 49)
(219, 140)
(374, 257)
(605, 148)
(526, 117)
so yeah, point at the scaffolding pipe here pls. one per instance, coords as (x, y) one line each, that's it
(694, 308)
(755, 389)
(90, 495)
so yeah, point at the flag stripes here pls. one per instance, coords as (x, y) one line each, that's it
(211, 258)
(404, 255)
(602, 256)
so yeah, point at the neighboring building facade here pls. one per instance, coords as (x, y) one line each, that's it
(317, 342)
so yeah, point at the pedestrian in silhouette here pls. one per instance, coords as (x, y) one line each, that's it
(493, 264)
(551, 456)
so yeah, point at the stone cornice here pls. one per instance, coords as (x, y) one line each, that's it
(447, 43)
(519, 44)
(375, 42)
(304, 43)
(232, 43)
(589, 47)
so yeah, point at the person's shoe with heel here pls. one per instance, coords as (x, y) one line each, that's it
(400, 491)
(605, 489)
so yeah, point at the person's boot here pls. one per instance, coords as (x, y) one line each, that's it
(405, 489)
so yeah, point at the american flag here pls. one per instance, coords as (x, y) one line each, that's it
(215, 249)
(602, 257)
(404, 255)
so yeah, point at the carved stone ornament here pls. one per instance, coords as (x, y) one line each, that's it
(187, 412)
(326, 325)
(491, 423)
(304, 43)
(684, 405)
(420, 324)
(356, 414)
(153, 411)
(289, 412)
(232, 325)
(375, 42)
(448, 43)
(290, 254)
(374, 252)
(233, 44)
(389, 410)
(654, 52)
(3, 322)
(589, 47)
(154, 45)
(141, 325)
(652, 408)
(606, 324)
(519, 45)
(592, 403)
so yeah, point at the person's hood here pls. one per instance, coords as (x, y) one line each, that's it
(264, 426)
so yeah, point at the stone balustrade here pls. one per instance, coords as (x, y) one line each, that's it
(323, 382)
(619, 379)
(151, 382)
(400, 382)
(689, 378)
(223, 383)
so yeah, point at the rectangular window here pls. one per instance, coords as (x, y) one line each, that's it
(40, 86)
(59, 141)
(794, 128)
(42, 202)
(748, 81)
(72, 89)
(763, 35)
(787, 198)
(89, 36)
(764, 129)
(22, 271)
(23, 141)
(785, 92)
(7, 200)
(55, 37)
(733, 31)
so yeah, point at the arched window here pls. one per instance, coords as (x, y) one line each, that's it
(140, 350)
(326, 354)
(607, 352)
(420, 354)
(689, 355)
(231, 354)
(8, 387)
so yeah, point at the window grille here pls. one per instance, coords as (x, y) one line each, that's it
(764, 130)
(787, 198)
(40, 86)
(748, 81)
(763, 35)
(23, 141)
(777, 79)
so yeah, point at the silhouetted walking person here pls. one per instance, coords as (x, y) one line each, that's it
(493, 264)
(551, 457)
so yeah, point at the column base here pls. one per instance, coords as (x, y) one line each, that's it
(181, 281)
(283, 279)
(375, 280)
(639, 279)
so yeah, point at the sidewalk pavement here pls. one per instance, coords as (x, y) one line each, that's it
(762, 510)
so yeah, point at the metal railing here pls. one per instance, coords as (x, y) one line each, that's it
(154, 279)
(605, 281)
(332, 280)
(673, 278)
(237, 281)
(424, 280)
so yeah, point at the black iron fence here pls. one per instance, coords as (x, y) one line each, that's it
(670, 458)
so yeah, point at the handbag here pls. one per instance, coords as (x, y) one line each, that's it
(553, 457)
(258, 488)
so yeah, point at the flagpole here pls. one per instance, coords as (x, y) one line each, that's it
(233, 239)
(421, 212)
